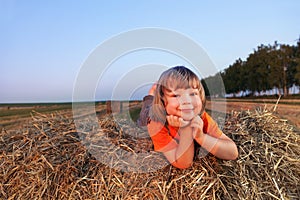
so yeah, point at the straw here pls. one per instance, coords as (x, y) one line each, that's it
(48, 159)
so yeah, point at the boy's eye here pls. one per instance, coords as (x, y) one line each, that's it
(193, 93)
(174, 95)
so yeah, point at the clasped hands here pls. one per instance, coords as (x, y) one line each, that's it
(196, 124)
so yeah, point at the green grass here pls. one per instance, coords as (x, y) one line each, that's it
(25, 112)
(14, 113)
(134, 113)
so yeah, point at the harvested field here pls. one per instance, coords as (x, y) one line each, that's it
(290, 112)
(48, 158)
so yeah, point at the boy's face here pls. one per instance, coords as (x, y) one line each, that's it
(184, 103)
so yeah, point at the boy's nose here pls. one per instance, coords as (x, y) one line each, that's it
(185, 99)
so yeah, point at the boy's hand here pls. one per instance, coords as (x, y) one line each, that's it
(177, 121)
(197, 125)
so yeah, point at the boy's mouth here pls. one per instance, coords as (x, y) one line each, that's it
(186, 110)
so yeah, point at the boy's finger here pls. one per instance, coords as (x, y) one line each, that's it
(183, 123)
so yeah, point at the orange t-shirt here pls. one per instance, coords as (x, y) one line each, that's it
(167, 138)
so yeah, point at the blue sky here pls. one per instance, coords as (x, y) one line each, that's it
(43, 44)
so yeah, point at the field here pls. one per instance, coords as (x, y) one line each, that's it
(44, 156)
(285, 109)
(12, 115)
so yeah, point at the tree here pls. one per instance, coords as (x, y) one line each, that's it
(297, 63)
(214, 85)
(268, 67)
(257, 69)
(233, 79)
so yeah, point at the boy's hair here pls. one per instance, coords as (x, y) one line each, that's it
(178, 77)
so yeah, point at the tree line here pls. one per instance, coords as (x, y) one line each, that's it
(269, 67)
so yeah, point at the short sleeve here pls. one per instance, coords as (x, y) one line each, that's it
(210, 127)
(161, 138)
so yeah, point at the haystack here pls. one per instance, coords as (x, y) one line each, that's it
(49, 159)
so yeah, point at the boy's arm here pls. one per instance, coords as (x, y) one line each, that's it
(222, 147)
(180, 156)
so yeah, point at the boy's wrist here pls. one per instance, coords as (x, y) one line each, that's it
(198, 136)
(186, 132)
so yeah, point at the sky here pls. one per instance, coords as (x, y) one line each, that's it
(44, 45)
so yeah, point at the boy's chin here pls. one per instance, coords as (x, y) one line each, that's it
(187, 118)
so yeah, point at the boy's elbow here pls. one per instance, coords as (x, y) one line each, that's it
(181, 165)
(234, 155)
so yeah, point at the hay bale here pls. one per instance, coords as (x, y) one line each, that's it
(268, 164)
(47, 159)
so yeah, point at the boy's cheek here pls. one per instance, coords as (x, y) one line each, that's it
(199, 109)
